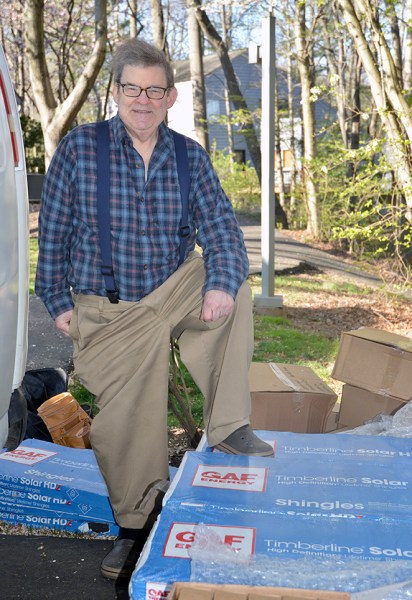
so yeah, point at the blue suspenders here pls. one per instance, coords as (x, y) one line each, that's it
(103, 202)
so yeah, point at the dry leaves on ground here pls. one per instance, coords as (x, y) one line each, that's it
(330, 314)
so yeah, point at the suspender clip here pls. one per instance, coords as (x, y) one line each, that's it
(113, 296)
(184, 231)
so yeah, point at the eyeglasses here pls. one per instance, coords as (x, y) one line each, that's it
(153, 92)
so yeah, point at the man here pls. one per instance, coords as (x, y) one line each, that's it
(121, 350)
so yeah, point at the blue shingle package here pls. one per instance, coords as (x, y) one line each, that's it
(54, 487)
(323, 498)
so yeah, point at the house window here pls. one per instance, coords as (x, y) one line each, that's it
(286, 156)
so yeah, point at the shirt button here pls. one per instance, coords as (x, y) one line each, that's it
(145, 267)
(138, 165)
(142, 232)
(141, 199)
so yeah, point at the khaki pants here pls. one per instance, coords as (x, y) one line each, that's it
(121, 353)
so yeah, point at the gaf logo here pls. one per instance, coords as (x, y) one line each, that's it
(182, 535)
(26, 455)
(157, 591)
(247, 479)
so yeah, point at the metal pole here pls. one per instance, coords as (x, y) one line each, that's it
(267, 298)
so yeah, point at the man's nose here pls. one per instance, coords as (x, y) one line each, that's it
(143, 97)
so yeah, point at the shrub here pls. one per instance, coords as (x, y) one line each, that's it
(239, 181)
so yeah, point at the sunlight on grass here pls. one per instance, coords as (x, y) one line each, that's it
(305, 284)
(277, 341)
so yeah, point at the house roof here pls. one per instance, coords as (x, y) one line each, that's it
(211, 63)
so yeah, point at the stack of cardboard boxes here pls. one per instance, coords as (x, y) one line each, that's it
(375, 367)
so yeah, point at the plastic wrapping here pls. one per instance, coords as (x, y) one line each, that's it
(215, 562)
(398, 425)
(403, 593)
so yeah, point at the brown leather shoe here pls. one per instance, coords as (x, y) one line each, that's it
(120, 562)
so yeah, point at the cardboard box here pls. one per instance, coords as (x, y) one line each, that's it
(289, 398)
(359, 406)
(332, 422)
(206, 591)
(377, 361)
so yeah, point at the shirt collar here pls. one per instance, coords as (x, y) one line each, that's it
(119, 131)
(120, 135)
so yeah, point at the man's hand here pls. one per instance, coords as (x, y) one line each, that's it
(63, 321)
(216, 304)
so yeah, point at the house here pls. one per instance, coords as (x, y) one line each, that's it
(180, 117)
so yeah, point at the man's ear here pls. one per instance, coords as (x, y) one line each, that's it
(115, 92)
(171, 97)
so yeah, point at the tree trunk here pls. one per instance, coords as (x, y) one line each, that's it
(308, 117)
(226, 21)
(396, 42)
(56, 119)
(226, 14)
(236, 96)
(198, 80)
(355, 112)
(280, 180)
(158, 24)
(229, 126)
(133, 20)
(291, 114)
(407, 62)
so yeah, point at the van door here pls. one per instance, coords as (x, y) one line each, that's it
(14, 249)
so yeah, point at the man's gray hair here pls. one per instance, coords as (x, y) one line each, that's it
(135, 52)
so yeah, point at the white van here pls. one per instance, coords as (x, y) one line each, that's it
(14, 265)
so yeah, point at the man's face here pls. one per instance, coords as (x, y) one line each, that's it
(142, 116)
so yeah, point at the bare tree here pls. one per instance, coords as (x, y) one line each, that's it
(386, 88)
(354, 108)
(396, 40)
(291, 116)
(304, 49)
(134, 19)
(226, 17)
(158, 25)
(335, 51)
(12, 40)
(55, 117)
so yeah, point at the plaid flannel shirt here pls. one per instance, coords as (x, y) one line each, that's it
(145, 218)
